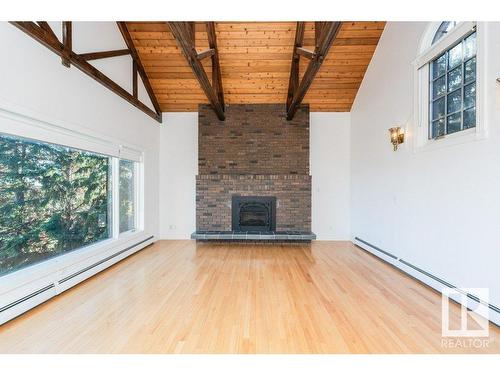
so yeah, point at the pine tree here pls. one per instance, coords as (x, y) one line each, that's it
(76, 185)
(23, 205)
(52, 199)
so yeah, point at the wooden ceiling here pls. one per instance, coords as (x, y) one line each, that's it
(255, 60)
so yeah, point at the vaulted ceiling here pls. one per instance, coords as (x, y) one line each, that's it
(255, 61)
(321, 63)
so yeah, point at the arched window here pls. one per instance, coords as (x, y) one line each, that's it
(448, 82)
(443, 29)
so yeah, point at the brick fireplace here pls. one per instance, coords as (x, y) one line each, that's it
(257, 153)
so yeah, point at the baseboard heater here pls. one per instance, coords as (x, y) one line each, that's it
(69, 277)
(428, 274)
(25, 298)
(102, 261)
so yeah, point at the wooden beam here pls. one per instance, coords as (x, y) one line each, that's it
(216, 72)
(305, 52)
(140, 68)
(329, 31)
(135, 91)
(294, 69)
(104, 54)
(67, 41)
(182, 34)
(40, 35)
(207, 53)
(46, 27)
(192, 31)
(318, 26)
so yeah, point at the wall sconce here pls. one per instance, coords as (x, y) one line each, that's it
(397, 136)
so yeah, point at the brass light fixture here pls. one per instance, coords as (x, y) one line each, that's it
(397, 136)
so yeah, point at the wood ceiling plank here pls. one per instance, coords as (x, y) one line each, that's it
(364, 25)
(249, 26)
(255, 61)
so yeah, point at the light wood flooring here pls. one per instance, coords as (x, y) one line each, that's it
(184, 297)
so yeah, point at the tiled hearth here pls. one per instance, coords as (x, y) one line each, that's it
(254, 236)
(255, 152)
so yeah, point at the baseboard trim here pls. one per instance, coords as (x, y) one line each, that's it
(395, 261)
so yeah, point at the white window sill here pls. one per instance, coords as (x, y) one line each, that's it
(461, 137)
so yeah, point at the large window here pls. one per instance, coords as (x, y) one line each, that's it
(56, 199)
(453, 87)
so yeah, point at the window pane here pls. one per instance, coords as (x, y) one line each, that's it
(470, 70)
(455, 56)
(53, 199)
(470, 95)
(455, 101)
(470, 118)
(453, 123)
(470, 46)
(443, 29)
(438, 108)
(127, 195)
(439, 66)
(438, 87)
(453, 75)
(454, 79)
(438, 128)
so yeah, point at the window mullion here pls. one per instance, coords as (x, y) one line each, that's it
(446, 94)
(116, 197)
(136, 196)
(463, 87)
(430, 102)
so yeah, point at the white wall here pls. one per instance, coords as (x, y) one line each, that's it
(178, 169)
(330, 170)
(32, 77)
(439, 210)
(35, 85)
(329, 152)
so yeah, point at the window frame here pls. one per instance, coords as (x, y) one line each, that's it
(447, 92)
(137, 199)
(422, 86)
(22, 122)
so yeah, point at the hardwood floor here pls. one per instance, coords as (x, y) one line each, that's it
(184, 297)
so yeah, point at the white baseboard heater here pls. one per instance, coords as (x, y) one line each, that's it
(423, 276)
(27, 302)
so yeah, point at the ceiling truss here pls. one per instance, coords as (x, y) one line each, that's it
(325, 34)
(184, 33)
(43, 33)
(306, 61)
